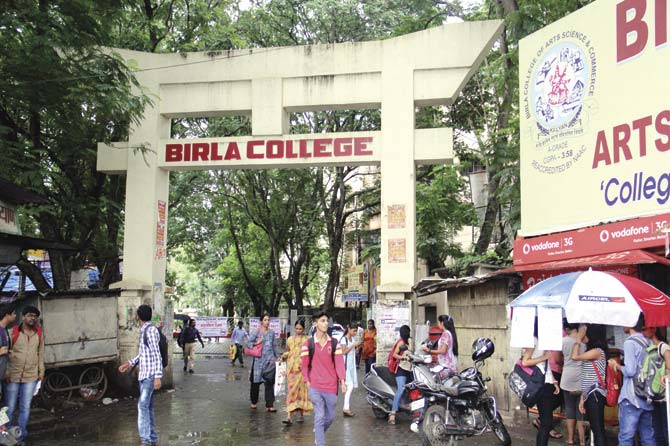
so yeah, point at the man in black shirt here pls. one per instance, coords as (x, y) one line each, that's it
(187, 341)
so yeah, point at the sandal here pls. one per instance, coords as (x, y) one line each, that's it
(555, 435)
(392, 418)
(287, 422)
(271, 409)
(253, 406)
(536, 423)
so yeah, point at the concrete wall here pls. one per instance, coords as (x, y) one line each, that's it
(479, 310)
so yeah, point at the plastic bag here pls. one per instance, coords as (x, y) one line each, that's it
(233, 351)
(280, 379)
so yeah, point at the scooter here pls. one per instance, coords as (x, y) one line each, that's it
(381, 387)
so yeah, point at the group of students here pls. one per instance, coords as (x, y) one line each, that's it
(316, 367)
(581, 385)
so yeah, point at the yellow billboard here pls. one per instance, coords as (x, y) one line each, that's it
(595, 117)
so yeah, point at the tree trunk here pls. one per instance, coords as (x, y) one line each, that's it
(34, 274)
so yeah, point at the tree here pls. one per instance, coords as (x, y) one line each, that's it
(61, 94)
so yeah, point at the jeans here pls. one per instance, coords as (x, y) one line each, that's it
(21, 394)
(146, 424)
(324, 413)
(400, 381)
(594, 406)
(632, 420)
(239, 350)
(545, 408)
(660, 424)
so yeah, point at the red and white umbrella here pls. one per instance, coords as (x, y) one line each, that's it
(598, 297)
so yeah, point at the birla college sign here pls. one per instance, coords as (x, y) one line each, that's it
(396, 75)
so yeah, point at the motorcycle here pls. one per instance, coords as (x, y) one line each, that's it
(381, 387)
(460, 407)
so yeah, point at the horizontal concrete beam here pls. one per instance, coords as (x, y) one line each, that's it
(205, 99)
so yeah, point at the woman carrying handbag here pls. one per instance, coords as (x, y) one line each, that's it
(262, 369)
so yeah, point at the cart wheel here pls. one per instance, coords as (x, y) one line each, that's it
(52, 382)
(93, 382)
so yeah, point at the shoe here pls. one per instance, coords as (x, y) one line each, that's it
(190, 371)
(184, 368)
(348, 413)
(242, 365)
(555, 435)
(287, 422)
(392, 418)
(232, 364)
(253, 406)
(271, 409)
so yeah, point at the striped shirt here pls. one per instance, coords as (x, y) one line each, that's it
(590, 381)
(149, 355)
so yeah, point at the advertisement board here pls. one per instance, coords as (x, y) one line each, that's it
(356, 284)
(595, 117)
(212, 327)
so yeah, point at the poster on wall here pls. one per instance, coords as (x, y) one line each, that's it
(396, 216)
(212, 327)
(254, 324)
(160, 230)
(397, 250)
(275, 325)
(595, 120)
(356, 289)
(391, 317)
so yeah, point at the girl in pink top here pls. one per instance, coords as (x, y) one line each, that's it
(447, 346)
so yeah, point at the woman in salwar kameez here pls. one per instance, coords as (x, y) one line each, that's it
(297, 396)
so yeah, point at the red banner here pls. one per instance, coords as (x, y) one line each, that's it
(639, 233)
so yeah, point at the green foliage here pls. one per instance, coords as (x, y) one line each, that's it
(464, 266)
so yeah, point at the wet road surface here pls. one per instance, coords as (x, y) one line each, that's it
(211, 407)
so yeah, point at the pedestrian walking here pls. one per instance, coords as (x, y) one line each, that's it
(536, 357)
(571, 384)
(237, 338)
(322, 369)
(660, 417)
(7, 317)
(401, 373)
(594, 369)
(262, 369)
(447, 346)
(149, 376)
(349, 345)
(187, 339)
(635, 413)
(26, 367)
(369, 354)
(297, 396)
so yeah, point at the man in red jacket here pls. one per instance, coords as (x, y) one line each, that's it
(322, 369)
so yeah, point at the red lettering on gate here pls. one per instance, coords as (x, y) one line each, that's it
(173, 153)
(233, 152)
(360, 146)
(250, 150)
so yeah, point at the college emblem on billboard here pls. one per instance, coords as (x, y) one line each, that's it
(557, 99)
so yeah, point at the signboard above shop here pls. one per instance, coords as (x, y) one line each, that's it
(595, 117)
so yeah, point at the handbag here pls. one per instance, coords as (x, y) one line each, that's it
(393, 362)
(280, 379)
(268, 373)
(255, 351)
(612, 385)
(527, 383)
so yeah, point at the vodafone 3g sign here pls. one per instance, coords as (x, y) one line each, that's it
(595, 118)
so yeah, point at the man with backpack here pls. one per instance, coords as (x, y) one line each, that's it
(187, 339)
(26, 366)
(322, 369)
(635, 413)
(151, 373)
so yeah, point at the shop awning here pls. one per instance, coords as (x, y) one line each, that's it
(633, 257)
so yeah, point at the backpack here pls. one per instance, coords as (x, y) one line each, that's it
(612, 384)
(393, 362)
(310, 347)
(17, 330)
(647, 382)
(162, 345)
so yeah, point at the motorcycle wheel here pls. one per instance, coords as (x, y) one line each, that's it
(431, 428)
(498, 428)
(379, 414)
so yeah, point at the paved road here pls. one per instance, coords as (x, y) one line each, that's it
(211, 407)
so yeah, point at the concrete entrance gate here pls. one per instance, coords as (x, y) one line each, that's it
(424, 68)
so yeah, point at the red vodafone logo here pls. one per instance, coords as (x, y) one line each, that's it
(269, 149)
